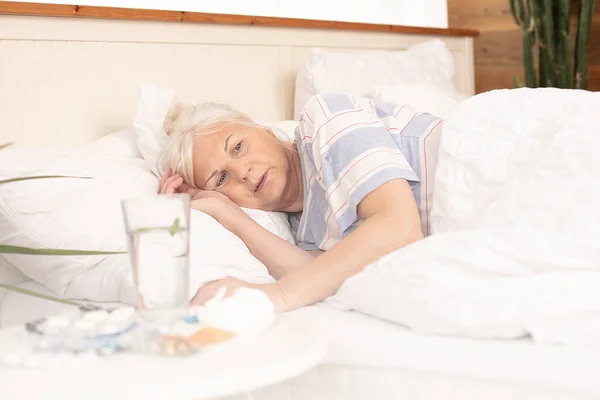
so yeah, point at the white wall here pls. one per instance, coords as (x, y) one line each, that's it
(426, 13)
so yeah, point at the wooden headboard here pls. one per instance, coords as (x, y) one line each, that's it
(69, 74)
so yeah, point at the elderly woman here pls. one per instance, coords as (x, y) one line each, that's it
(349, 183)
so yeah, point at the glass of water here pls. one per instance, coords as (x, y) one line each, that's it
(158, 239)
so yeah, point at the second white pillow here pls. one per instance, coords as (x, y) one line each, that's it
(421, 97)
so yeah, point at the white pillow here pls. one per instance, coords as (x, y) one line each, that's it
(283, 130)
(358, 73)
(152, 108)
(121, 143)
(9, 275)
(71, 214)
(86, 214)
(422, 97)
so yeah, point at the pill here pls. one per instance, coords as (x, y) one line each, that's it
(96, 316)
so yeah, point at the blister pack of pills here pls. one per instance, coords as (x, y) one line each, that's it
(82, 330)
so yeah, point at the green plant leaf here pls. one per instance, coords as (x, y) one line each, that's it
(5, 145)
(7, 249)
(175, 227)
(518, 83)
(27, 178)
(36, 294)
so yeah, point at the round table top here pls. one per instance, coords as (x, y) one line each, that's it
(288, 348)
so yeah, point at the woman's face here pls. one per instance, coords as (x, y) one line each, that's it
(247, 164)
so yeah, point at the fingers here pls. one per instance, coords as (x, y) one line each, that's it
(204, 294)
(168, 173)
(220, 288)
(170, 183)
(170, 186)
(165, 176)
(184, 187)
(173, 183)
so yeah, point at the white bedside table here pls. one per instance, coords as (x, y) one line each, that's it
(290, 347)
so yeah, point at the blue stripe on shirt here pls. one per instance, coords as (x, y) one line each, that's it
(338, 102)
(409, 140)
(418, 125)
(386, 109)
(314, 221)
(349, 147)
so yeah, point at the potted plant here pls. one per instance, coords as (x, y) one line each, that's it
(562, 60)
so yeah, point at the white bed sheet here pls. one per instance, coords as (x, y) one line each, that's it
(359, 340)
(373, 359)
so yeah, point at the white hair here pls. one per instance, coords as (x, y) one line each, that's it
(184, 122)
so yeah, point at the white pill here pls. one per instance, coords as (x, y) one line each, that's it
(96, 316)
(120, 315)
(84, 325)
(50, 329)
(109, 329)
(57, 322)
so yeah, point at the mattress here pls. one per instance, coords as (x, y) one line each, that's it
(373, 359)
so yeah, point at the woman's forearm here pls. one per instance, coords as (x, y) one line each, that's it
(321, 278)
(278, 255)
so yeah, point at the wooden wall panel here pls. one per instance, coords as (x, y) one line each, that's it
(498, 49)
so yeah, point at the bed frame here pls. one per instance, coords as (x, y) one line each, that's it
(69, 74)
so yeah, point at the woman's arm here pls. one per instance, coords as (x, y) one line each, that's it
(279, 256)
(391, 221)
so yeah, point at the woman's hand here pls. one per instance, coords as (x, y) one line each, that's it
(210, 289)
(173, 183)
(209, 202)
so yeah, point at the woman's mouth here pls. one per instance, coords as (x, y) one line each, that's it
(262, 182)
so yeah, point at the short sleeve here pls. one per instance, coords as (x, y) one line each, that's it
(307, 246)
(355, 154)
(294, 226)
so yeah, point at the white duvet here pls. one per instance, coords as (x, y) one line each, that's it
(516, 222)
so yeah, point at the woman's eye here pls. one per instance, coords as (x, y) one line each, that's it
(238, 147)
(222, 179)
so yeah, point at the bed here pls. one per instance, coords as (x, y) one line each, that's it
(372, 359)
(72, 76)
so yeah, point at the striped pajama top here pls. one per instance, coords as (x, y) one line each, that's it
(348, 147)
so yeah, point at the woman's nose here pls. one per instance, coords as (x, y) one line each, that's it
(242, 170)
